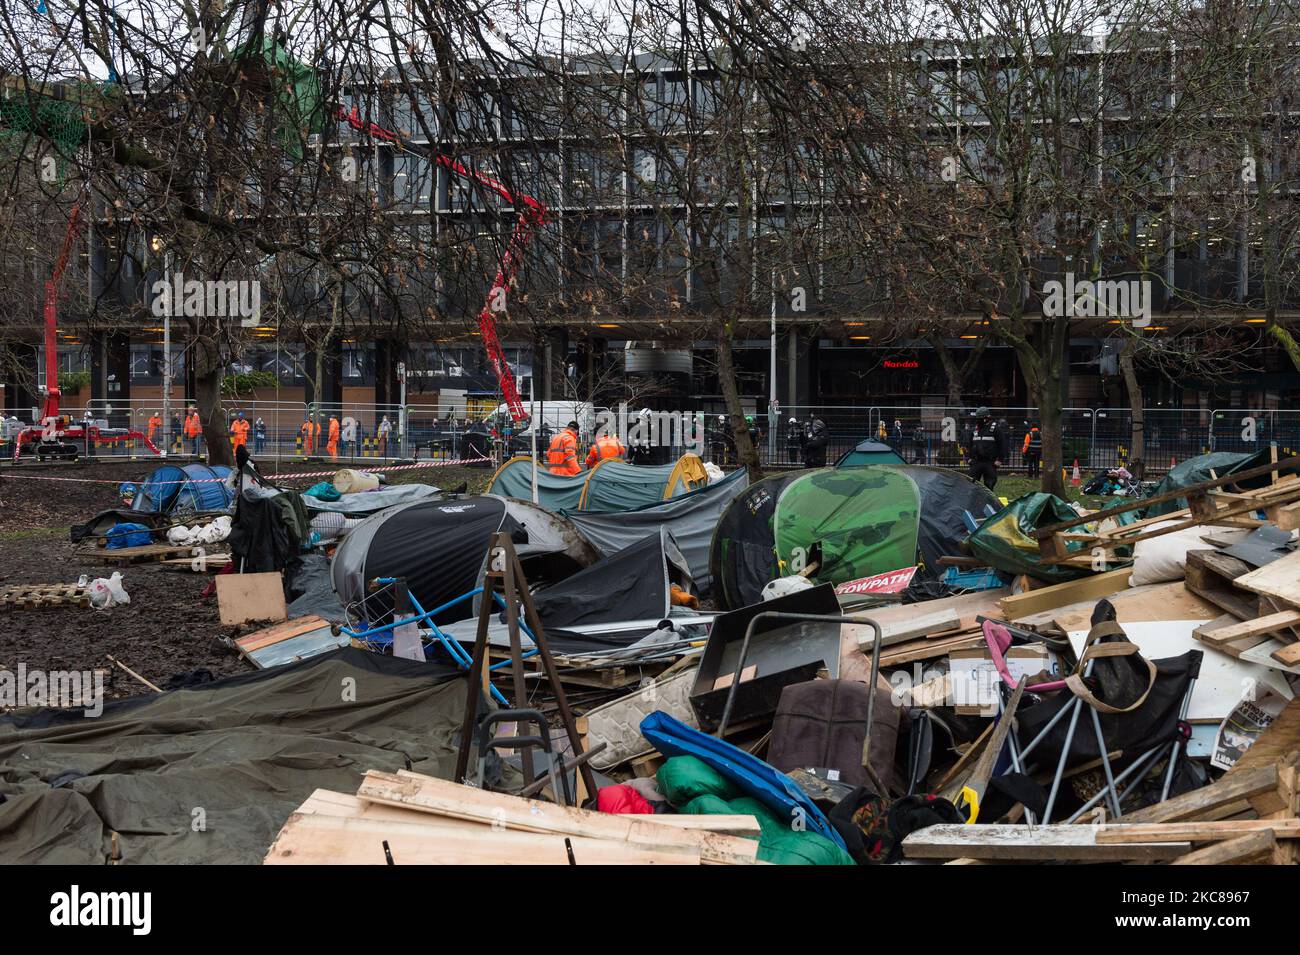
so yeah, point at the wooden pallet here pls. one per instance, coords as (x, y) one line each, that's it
(148, 553)
(35, 596)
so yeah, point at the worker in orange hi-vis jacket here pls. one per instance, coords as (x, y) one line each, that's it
(562, 455)
(605, 446)
(239, 431)
(333, 444)
(309, 432)
(193, 428)
(155, 422)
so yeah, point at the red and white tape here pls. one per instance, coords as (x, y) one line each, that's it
(267, 477)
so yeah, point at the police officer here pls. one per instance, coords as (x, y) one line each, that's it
(795, 439)
(814, 449)
(719, 441)
(987, 448)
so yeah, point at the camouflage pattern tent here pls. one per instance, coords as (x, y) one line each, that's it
(852, 522)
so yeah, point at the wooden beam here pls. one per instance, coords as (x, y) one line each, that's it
(1248, 628)
(1190, 805)
(1120, 833)
(1287, 464)
(1251, 848)
(1054, 842)
(1060, 595)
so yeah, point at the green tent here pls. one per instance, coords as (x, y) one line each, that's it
(852, 522)
(611, 486)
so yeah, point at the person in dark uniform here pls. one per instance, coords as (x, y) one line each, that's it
(719, 441)
(1032, 451)
(986, 446)
(795, 439)
(814, 449)
(919, 441)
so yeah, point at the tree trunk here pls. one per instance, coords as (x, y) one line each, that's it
(1137, 440)
(207, 386)
(746, 453)
(1048, 399)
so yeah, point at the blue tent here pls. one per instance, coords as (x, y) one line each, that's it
(185, 490)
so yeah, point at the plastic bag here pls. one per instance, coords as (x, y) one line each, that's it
(108, 592)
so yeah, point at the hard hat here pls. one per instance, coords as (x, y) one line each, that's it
(794, 421)
(572, 425)
(982, 411)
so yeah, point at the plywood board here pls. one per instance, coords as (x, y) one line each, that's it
(250, 598)
(1280, 579)
(1060, 595)
(314, 839)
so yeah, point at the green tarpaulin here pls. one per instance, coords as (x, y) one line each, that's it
(609, 487)
(210, 773)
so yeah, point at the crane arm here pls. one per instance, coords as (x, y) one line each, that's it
(532, 214)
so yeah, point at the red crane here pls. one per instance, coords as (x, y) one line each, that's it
(532, 214)
(49, 438)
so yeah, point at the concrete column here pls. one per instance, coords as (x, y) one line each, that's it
(796, 369)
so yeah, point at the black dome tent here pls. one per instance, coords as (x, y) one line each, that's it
(440, 548)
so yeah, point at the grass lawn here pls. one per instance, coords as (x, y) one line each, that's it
(1014, 486)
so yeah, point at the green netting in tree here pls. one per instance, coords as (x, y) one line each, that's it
(61, 122)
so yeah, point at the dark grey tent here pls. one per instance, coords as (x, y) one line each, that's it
(631, 585)
(690, 518)
(440, 547)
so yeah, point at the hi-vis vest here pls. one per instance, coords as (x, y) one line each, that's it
(606, 446)
(562, 455)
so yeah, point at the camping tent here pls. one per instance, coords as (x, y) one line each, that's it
(690, 517)
(171, 489)
(440, 547)
(630, 585)
(852, 522)
(612, 485)
(1206, 467)
(869, 452)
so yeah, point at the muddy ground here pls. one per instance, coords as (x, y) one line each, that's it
(169, 630)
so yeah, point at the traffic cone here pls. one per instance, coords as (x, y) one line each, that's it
(1171, 462)
(1076, 478)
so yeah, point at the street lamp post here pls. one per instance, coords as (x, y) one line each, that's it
(157, 244)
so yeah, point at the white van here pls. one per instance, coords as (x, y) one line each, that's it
(554, 415)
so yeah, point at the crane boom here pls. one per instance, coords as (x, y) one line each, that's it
(532, 214)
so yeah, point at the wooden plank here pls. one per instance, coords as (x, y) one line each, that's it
(1248, 628)
(280, 631)
(1288, 656)
(1251, 848)
(928, 650)
(1280, 579)
(424, 793)
(1059, 595)
(246, 598)
(1118, 833)
(1038, 843)
(314, 839)
(1191, 805)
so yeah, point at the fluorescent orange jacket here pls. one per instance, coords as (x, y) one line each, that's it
(192, 426)
(239, 432)
(562, 455)
(606, 446)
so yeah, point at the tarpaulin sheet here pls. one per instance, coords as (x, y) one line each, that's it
(1003, 541)
(690, 518)
(209, 774)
